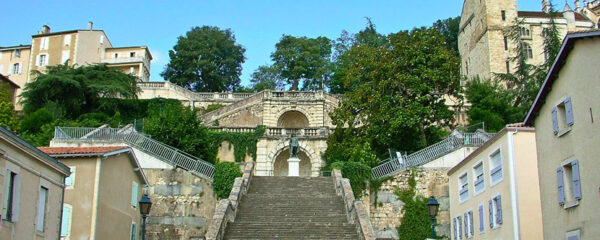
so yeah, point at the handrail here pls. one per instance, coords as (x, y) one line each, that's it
(449, 144)
(355, 210)
(139, 141)
(226, 209)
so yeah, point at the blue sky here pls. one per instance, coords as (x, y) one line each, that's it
(257, 25)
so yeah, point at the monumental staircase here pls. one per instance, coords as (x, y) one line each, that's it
(291, 208)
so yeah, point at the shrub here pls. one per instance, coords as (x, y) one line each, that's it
(224, 177)
(358, 173)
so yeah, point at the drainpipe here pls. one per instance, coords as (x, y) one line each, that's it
(513, 185)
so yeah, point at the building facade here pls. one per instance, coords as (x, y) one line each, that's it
(31, 191)
(102, 193)
(484, 47)
(567, 136)
(494, 192)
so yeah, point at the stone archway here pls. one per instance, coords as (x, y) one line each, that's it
(293, 119)
(280, 164)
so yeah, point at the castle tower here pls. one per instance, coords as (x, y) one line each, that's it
(482, 45)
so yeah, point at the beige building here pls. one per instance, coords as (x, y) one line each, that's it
(31, 195)
(102, 192)
(568, 136)
(485, 49)
(494, 192)
(14, 64)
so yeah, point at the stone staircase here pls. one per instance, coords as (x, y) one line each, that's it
(291, 208)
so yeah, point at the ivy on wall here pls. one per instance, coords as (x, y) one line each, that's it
(243, 143)
(415, 221)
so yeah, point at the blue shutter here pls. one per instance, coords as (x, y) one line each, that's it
(499, 210)
(491, 214)
(455, 229)
(66, 221)
(554, 120)
(569, 110)
(471, 230)
(133, 231)
(481, 218)
(459, 227)
(561, 186)
(134, 194)
(466, 216)
(576, 180)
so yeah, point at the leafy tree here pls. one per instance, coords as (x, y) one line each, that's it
(266, 77)
(491, 104)
(303, 59)
(206, 59)
(449, 28)
(224, 177)
(7, 111)
(71, 91)
(397, 98)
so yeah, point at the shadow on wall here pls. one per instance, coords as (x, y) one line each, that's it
(281, 165)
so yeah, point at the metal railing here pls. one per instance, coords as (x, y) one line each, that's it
(141, 142)
(455, 141)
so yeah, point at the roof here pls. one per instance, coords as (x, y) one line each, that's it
(536, 14)
(498, 135)
(65, 32)
(15, 47)
(142, 47)
(559, 62)
(79, 150)
(35, 152)
(6, 79)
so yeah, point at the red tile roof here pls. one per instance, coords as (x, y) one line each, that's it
(79, 150)
(515, 125)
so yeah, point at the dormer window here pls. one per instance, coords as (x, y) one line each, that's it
(131, 54)
(116, 55)
(525, 32)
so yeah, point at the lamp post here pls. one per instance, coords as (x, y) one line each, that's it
(145, 205)
(432, 206)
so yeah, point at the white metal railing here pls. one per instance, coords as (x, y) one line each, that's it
(134, 139)
(454, 141)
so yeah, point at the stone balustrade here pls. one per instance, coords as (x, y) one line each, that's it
(226, 209)
(356, 210)
(281, 132)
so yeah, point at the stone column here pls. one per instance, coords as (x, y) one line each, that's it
(293, 167)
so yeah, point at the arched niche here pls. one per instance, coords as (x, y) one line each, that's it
(280, 166)
(292, 119)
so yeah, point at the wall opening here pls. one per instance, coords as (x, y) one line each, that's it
(280, 166)
(292, 119)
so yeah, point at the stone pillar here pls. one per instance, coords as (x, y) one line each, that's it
(294, 167)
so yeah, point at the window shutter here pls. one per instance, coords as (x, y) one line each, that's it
(481, 218)
(471, 227)
(20, 68)
(554, 120)
(561, 186)
(459, 227)
(491, 214)
(10, 69)
(576, 180)
(466, 216)
(66, 219)
(499, 210)
(134, 194)
(16, 198)
(569, 110)
(455, 229)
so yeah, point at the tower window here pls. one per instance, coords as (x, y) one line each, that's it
(503, 15)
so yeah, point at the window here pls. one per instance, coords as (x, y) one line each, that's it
(481, 219)
(132, 54)
(102, 39)
(496, 167)
(525, 32)
(67, 40)
(463, 186)
(42, 60)
(17, 53)
(507, 67)
(12, 193)
(469, 224)
(562, 117)
(527, 51)
(65, 56)
(503, 15)
(65, 225)
(70, 180)
(505, 43)
(133, 231)
(478, 178)
(41, 209)
(131, 70)
(116, 55)
(495, 205)
(134, 194)
(569, 184)
(16, 68)
(44, 43)
(574, 235)
(457, 227)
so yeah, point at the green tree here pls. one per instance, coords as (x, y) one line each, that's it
(224, 177)
(71, 91)
(206, 59)
(490, 104)
(303, 59)
(449, 28)
(266, 77)
(397, 98)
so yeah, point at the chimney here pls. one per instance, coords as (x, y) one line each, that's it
(90, 25)
(45, 29)
(577, 6)
(546, 7)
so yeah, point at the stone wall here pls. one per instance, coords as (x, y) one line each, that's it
(387, 212)
(182, 204)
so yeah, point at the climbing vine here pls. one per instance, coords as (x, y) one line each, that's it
(224, 177)
(243, 143)
(358, 173)
(415, 222)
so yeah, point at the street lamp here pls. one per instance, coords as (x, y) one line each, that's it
(432, 206)
(145, 205)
